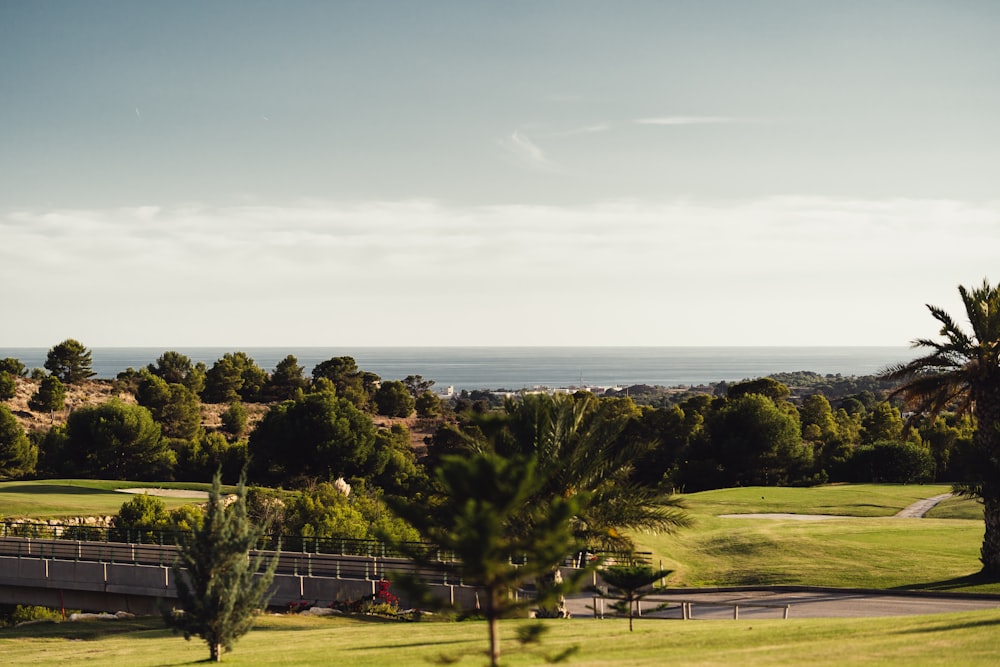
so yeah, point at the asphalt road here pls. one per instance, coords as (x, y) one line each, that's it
(814, 603)
(801, 604)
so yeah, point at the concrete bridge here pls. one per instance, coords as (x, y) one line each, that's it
(116, 576)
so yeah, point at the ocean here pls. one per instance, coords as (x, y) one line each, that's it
(529, 367)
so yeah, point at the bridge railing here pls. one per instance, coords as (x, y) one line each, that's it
(318, 556)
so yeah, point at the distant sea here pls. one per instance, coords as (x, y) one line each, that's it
(528, 367)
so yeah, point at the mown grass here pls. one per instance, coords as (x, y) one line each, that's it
(872, 552)
(869, 500)
(957, 508)
(65, 498)
(965, 638)
(876, 551)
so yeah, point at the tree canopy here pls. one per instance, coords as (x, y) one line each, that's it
(117, 440)
(50, 395)
(69, 361)
(234, 376)
(393, 399)
(319, 436)
(961, 372)
(18, 455)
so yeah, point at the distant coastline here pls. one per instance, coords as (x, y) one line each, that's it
(528, 367)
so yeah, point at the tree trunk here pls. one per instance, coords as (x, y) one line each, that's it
(493, 617)
(987, 440)
(215, 651)
(990, 553)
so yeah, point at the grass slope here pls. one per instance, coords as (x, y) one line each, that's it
(870, 500)
(65, 498)
(967, 639)
(875, 551)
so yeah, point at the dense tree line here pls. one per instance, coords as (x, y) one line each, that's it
(318, 427)
(756, 435)
(168, 440)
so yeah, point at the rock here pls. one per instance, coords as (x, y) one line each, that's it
(320, 611)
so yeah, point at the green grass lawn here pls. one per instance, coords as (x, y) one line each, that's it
(875, 551)
(871, 500)
(64, 498)
(966, 639)
(957, 508)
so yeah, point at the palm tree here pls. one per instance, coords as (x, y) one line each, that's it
(962, 373)
(583, 446)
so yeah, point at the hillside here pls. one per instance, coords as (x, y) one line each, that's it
(95, 392)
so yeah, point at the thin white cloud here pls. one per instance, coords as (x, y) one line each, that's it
(527, 150)
(690, 120)
(778, 271)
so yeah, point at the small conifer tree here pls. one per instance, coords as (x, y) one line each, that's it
(219, 586)
(50, 396)
(484, 516)
(630, 584)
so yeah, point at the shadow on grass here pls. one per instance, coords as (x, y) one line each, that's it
(437, 642)
(949, 627)
(955, 584)
(88, 630)
(52, 489)
(354, 618)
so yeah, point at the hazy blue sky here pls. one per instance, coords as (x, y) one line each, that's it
(292, 173)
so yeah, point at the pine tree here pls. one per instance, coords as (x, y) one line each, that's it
(219, 586)
(477, 516)
(70, 362)
(18, 455)
(50, 395)
(630, 584)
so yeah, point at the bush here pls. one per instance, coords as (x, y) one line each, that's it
(8, 386)
(234, 419)
(393, 399)
(28, 614)
(50, 396)
(14, 367)
(891, 462)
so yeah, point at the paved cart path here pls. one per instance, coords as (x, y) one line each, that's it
(921, 507)
(803, 603)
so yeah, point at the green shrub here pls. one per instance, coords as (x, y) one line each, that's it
(27, 613)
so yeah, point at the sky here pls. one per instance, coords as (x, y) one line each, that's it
(243, 173)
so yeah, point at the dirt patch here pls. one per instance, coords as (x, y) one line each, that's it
(419, 429)
(91, 392)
